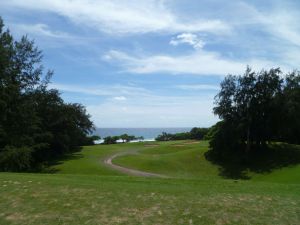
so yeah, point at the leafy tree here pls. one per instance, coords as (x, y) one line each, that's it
(247, 102)
(16, 158)
(140, 138)
(35, 123)
(164, 137)
(252, 108)
(290, 109)
(111, 139)
(90, 140)
(198, 133)
(125, 137)
(211, 131)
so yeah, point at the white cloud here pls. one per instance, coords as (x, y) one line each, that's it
(143, 108)
(285, 26)
(120, 98)
(155, 111)
(196, 87)
(101, 90)
(40, 30)
(280, 20)
(201, 63)
(188, 38)
(121, 16)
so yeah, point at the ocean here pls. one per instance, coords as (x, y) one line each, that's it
(149, 134)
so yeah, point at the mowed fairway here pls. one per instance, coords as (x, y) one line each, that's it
(180, 159)
(84, 190)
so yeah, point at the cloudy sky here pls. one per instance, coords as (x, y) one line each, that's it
(155, 63)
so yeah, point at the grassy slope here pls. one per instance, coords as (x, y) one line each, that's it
(87, 199)
(289, 174)
(176, 159)
(77, 195)
(188, 161)
(90, 160)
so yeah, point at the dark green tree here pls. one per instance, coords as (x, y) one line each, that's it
(198, 133)
(289, 103)
(111, 140)
(35, 123)
(249, 110)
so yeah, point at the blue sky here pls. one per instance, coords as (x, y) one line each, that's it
(155, 63)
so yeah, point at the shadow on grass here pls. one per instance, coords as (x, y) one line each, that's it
(50, 166)
(275, 156)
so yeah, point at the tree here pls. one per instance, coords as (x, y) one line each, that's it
(125, 137)
(35, 123)
(111, 140)
(249, 110)
(198, 133)
(164, 137)
(289, 103)
(91, 140)
(141, 138)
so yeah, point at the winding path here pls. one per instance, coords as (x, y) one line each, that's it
(133, 172)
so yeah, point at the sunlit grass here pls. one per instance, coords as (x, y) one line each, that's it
(86, 199)
(83, 190)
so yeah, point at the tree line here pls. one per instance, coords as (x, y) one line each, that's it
(255, 109)
(36, 125)
(124, 138)
(195, 133)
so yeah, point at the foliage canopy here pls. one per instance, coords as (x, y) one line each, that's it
(35, 123)
(256, 108)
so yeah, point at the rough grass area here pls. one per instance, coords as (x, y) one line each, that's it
(83, 190)
(81, 199)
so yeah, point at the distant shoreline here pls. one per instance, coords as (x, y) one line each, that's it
(149, 134)
(121, 141)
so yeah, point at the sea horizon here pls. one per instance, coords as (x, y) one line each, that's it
(148, 133)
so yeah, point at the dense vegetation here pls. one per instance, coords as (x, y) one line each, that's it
(195, 133)
(124, 138)
(35, 123)
(255, 109)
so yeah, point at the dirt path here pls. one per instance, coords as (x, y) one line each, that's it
(133, 172)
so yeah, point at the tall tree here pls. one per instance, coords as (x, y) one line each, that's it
(249, 109)
(290, 109)
(35, 123)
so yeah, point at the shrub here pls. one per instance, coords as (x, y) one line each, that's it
(15, 159)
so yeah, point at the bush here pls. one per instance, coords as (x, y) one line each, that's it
(15, 159)
(110, 140)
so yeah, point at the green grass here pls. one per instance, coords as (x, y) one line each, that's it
(176, 159)
(185, 160)
(85, 191)
(290, 174)
(87, 199)
(90, 160)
